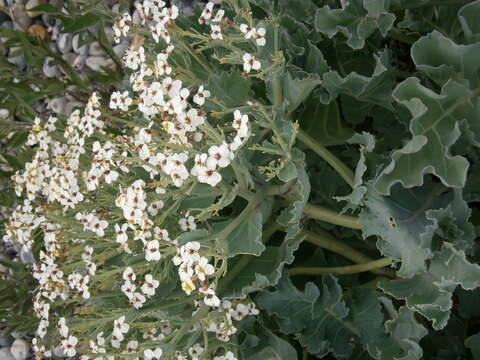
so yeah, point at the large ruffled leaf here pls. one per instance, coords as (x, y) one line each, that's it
(318, 317)
(356, 20)
(254, 273)
(435, 128)
(362, 92)
(430, 293)
(443, 60)
(403, 229)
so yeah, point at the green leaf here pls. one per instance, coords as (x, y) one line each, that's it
(297, 86)
(468, 16)
(243, 234)
(435, 129)
(231, 88)
(80, 23)
(257, 273)
(315, 62)
(473, 343)
(396, 338)
(322, 122)
(443, 60)
(318, 317)
(261, 343)
(448, 269)
(404, 231)
(361, 91)
(356, 20)
(46, 8)
(452, 223)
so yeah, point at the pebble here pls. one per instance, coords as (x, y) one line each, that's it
(20, 349)
(5, 354)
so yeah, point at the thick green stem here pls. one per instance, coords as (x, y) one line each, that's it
(326, 241)
(324, 214)
(341, 270)
(339, 166)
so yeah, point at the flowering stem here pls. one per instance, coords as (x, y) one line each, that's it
(321, 213)
(339, 166)
(276, 84)
(341, 270)
(239, 175)
(194, 319)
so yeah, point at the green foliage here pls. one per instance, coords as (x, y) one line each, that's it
(363, 130)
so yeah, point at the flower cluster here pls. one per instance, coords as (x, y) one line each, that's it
(121, 27)
(168, 145)
(193, 267)
(137, 299)
(68, 342)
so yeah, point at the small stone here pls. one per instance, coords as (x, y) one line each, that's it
(64, 43)
(20, 349)
(81, 50)
(96, 63)
(95, 49)
(5, 354)
(30, 5)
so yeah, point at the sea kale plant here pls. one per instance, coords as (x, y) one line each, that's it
(270, 180)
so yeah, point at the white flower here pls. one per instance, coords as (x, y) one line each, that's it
(220, 155)
(206, 13)
(187, 224)
(137, 300)
(218, 16)
(152, 354)
(188, 286)
(216, 32)
(240, 312)
(203, 269)
(149, 286)
(133, 58)
(260, 37)
(208, 176)
(69, 346)
(154, 207)
(249, 63)
(201, 95)
(196, 351)
(210, 298)
(131, 346)
(121, 232)
(129, 275)
(128, 289)
(152, 252)
(120, 326)
(247, 30)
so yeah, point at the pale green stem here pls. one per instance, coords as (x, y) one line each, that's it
(341, 270)
(324, 214)
(339, 166)
(326, 241)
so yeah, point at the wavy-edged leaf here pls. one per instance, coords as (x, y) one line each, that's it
(258, 272)
(434, 129)
(468, 17)
(403, 229)
(323, 122)
(430, 293)
(443, 60)
(318, 317)
(356, 20)
(360, 91)
(395, 337)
